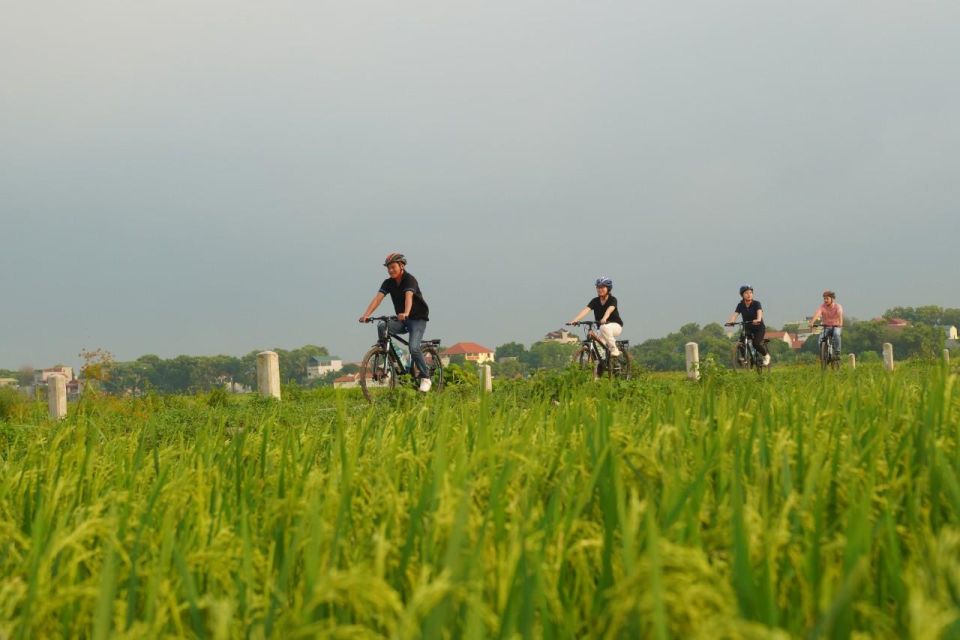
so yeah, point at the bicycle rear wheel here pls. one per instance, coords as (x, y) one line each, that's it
(432, 357)
(376, 373)
(623, 365)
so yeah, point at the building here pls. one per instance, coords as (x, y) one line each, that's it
(562, 336)
(319, 366)
(349, 381)
(9, 382)
(40, 376)
(951, 332)
(780, 336)
(471, 351)
(74, 389)
(352, 380)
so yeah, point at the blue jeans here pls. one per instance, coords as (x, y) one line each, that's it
(416, 329)
(834, 334)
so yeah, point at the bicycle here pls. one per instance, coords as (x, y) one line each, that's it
(594, 355)
(382, 366)
(827, 356)
(745, 354)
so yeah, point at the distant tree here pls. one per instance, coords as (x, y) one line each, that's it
(549, 355)
(510, 350)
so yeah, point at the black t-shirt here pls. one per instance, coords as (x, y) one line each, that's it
(749, 314)
(600, 309)
(419, 310)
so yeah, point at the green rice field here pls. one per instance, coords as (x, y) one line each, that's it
(797, 505)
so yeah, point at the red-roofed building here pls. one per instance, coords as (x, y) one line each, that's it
(471, 351)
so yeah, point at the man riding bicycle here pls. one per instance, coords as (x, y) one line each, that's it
(752, 313)
(606, 314)
(830, 313)
(412, 311)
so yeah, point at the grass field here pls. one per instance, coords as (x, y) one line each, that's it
(798, 505)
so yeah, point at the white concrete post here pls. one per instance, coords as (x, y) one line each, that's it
(487, 375)
(888, 356)
(57, 396)
(853, 360)
(268, 374)
(693, 361)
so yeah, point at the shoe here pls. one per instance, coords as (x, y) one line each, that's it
(614, 354)
(766, 360)
(425, 384)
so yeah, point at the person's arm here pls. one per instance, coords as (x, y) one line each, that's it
(733, 317)
(840, 319)
(816, 316)
(610, 310)
(407, 305)
(759, 317)
(584, 312)
(377, 299)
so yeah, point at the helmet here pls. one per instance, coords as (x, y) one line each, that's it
(604, 281)
(745, 287)
(395, 257)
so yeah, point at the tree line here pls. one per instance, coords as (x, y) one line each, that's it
(924, 337)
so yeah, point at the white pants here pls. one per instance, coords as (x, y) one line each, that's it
(608, 335)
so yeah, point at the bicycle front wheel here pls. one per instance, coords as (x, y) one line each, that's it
(376, 373)
(824, 355)
(623, 365)
(585, 358)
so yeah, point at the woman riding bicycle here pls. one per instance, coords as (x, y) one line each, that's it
(752, 313)
(606, 314)
(830, 313)
(412, 311)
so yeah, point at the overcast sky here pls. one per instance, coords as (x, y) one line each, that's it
(210, 177)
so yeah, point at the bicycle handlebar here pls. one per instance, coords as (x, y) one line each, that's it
(384, 318)
(588, 323)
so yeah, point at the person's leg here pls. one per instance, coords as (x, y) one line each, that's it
(417, 329)
(395, 327)
(836, 340)
(756, 333)
(609, 333)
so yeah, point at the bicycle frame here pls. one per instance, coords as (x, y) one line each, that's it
(396, 364)
(826, 338)
(598, 352)
(754, 359)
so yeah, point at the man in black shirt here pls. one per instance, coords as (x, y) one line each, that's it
(411, 309)
(605, 312)
(752, 313)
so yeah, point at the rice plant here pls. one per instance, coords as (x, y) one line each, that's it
(795, 505)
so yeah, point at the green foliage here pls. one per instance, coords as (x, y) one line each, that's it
(549, 355)
(461, 374)
(799, 504)
(930, 315)
(668, 354)
(190, 374)
(12, 403)
(218, 397)
(510, 350)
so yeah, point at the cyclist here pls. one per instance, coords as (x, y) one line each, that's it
(412, 311)
(830, 313)
(605, 312)
(752, 313)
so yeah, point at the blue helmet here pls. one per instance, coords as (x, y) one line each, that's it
(745, 287)
(604, 281)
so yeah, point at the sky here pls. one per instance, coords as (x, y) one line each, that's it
(204, 177)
